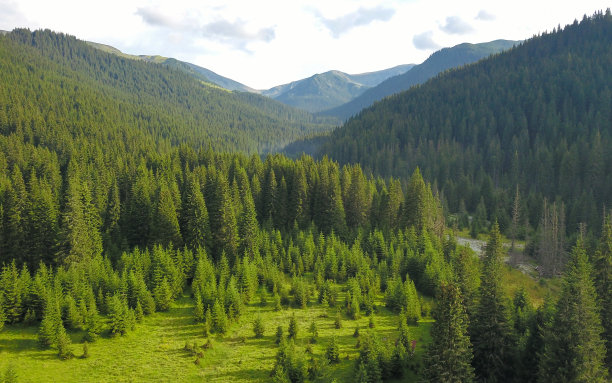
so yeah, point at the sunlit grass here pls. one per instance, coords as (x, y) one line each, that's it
(155, 350)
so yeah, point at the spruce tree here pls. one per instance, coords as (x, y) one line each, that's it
(165, 227)
(162, 294)
(219, 318)
(603, 284)
(574, 350)
(195, 224)
(449, 356)
(292, 331)
(332, 352)
(258, 327)
(491, 332)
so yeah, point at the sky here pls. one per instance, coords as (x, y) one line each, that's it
(264, 43)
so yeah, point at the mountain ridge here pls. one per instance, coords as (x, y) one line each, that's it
(439, 61)
(322, 91)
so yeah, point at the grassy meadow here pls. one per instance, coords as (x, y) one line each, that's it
(155, 350)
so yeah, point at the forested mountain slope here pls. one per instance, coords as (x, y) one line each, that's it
(51, 80)
(197, 71)
(537, 116)
(444, 59)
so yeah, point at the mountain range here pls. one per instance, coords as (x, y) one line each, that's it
(334, 93)
(330, 89)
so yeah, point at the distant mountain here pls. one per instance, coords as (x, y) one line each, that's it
(330, 89)
(193, 70)
(439, 61)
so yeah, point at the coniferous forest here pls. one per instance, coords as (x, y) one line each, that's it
(147, 232)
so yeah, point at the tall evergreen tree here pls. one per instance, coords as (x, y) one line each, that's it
(603, 284)
(195, 225)
(491, 332)
(165, 227)
(449, 356)
(80, 225)
(574, 350)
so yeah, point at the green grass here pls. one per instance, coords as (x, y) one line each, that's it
(155, 350)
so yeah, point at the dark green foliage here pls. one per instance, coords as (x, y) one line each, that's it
(332, 351)
(292, 331)
(603, 284)
(314, 332)
(338, 320)
(290, 365)
(548, 99)
(491, 331)
(279, 335)
(449, 357)
(258, 327)
(369, 354)
(574, 350)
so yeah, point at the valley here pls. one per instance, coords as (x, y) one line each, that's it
(445, 221)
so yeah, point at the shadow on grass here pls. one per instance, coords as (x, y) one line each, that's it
(18, 345)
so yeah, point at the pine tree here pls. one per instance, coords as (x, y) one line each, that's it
(603, 284)
(52, 319)
(80, 225)
(449, 356)
(491, 333)
(574, 350)
(279, 335)
(11, 293)
(332, 352)
(162, 294)
(258, 327)
(219, 318)
(42, 223)
(314, 331)
(195, 227)
(118, 315)
(338, 320)
(292, 331)
(64, 345)
(165, 227)
(16, 215)
(247, 223)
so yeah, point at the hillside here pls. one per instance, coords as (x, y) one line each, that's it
(196, 71)
(537, 116)
(327, 90)
(444, 59)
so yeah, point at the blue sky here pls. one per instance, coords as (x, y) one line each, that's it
(264, 43)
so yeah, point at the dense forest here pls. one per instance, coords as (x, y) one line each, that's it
(60, 85)
(118, 204)
(532, 123)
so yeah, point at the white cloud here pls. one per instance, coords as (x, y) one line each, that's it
(363, 16)
(424, 41)
(456, 25)
(485, 16)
